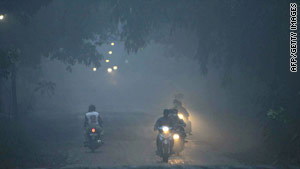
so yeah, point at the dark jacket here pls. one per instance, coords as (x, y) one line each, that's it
(163, 121)
(182, 110)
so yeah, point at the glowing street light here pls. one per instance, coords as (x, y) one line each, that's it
(109, 70)
(112, 44)
(107, 60)
(110, 52)
(1, 17)
(115, 67)
(94, 69)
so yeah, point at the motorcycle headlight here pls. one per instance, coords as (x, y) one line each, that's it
(176, 136)
(180, 116)
(165, 129)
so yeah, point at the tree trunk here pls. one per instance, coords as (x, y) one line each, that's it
(14, 93)
(1, 104)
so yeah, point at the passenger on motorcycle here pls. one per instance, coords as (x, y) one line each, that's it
(185, 114)
(176, 122)
(180, 108)
(92, 120)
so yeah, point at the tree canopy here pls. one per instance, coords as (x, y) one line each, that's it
(247, 39)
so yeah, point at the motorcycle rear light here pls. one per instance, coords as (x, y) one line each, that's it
(93, 130)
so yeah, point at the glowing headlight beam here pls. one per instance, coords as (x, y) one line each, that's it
(112, 44)
(180, 116)
(165, 129)
(176, 136)
(110, 52)
(115, 67)
(107, 60)
(94, 69)
(1, 17)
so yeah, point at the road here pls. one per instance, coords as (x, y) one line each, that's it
(130, 141)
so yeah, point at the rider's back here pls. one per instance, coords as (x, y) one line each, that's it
(92, 118)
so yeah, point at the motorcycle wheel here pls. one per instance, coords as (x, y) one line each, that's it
(165, 158)
(165, 154)
(93, 148)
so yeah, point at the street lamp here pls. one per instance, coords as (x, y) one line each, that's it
(110, 52)
(115, 67)
(109, 70)
(1, 16)
(107, 60)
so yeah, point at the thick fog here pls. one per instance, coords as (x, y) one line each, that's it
(147, 82)
(130, 59)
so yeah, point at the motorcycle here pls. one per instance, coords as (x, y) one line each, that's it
(179, 140)
(188, 128)
(94, 138)
(165, 142)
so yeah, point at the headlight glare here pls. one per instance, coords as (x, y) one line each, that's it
(180, 116)
(176, 136)
(165, 129)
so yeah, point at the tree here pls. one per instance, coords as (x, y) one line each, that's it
(60, 34)
(247, 40)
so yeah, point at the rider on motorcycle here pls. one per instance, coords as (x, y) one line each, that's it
(180, 108)
(177, 123)
(162, 121)
(92, 120)
(184, 112)
(165, 120)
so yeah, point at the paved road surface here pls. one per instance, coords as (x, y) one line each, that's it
(130, 141)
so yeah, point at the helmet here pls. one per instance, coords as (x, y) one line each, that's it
(92, 108)
(166, 113)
